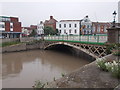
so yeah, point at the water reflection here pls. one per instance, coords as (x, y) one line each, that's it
(26, 67)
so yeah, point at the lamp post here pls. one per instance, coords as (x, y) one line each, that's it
(114, 16)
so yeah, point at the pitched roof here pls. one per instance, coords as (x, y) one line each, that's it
(69, 20)
(50, 21)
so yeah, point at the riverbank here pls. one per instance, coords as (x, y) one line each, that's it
(22, 47)
(88, 76)
(20, 44)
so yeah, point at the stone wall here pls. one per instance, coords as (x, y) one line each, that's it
(23, 39)
(13, 48)
(22, 47)
(33, 46)
(9, 40)
(113, 35)
(26, 39)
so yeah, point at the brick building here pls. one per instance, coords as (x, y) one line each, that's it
(51, 23)
(10, 27)
(33, 27)
(28, 30)
(100, 27)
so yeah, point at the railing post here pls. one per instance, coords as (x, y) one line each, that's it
(88, 38)
(67, 37)
(79, 37)
(98, 39)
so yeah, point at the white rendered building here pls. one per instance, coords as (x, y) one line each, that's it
(86, 26)
(40, 28)
(25, 31)
(68, 27)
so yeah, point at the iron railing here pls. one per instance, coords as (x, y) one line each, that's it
(81, 38)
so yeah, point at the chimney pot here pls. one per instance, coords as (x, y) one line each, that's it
(51, 17)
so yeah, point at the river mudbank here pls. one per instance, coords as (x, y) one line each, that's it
(22, 47)
(88, 76)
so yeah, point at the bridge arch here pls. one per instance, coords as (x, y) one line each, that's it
(79, 50)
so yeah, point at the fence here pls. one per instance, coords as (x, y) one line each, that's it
(9, 40)
(26, 39)
(81, 38)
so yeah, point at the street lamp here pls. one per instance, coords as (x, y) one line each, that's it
(114, 16)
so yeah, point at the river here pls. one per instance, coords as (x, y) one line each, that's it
(22, 69)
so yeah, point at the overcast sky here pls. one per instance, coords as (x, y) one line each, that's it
(31, 12)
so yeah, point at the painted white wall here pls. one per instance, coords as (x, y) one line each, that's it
(40, 28)
(25, 31)
(87, 24)
(11, 26)
(119, 12)
(2, 24)
(66, 30)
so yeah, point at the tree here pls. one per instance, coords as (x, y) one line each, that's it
(33, 33)
(49, 31)
(57, 32)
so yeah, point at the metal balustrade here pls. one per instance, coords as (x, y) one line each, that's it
(81, 38)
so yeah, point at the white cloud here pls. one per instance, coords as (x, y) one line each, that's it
(32, 13)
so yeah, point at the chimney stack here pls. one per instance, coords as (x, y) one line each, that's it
(87, 16)
(51, 17)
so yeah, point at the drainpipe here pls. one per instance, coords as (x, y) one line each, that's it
(80, 27)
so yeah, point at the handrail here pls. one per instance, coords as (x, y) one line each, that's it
(79, 35)
(81, 38)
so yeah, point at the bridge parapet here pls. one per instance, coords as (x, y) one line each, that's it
(97, 39)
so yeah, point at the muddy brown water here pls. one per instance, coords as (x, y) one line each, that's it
(22, 69)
